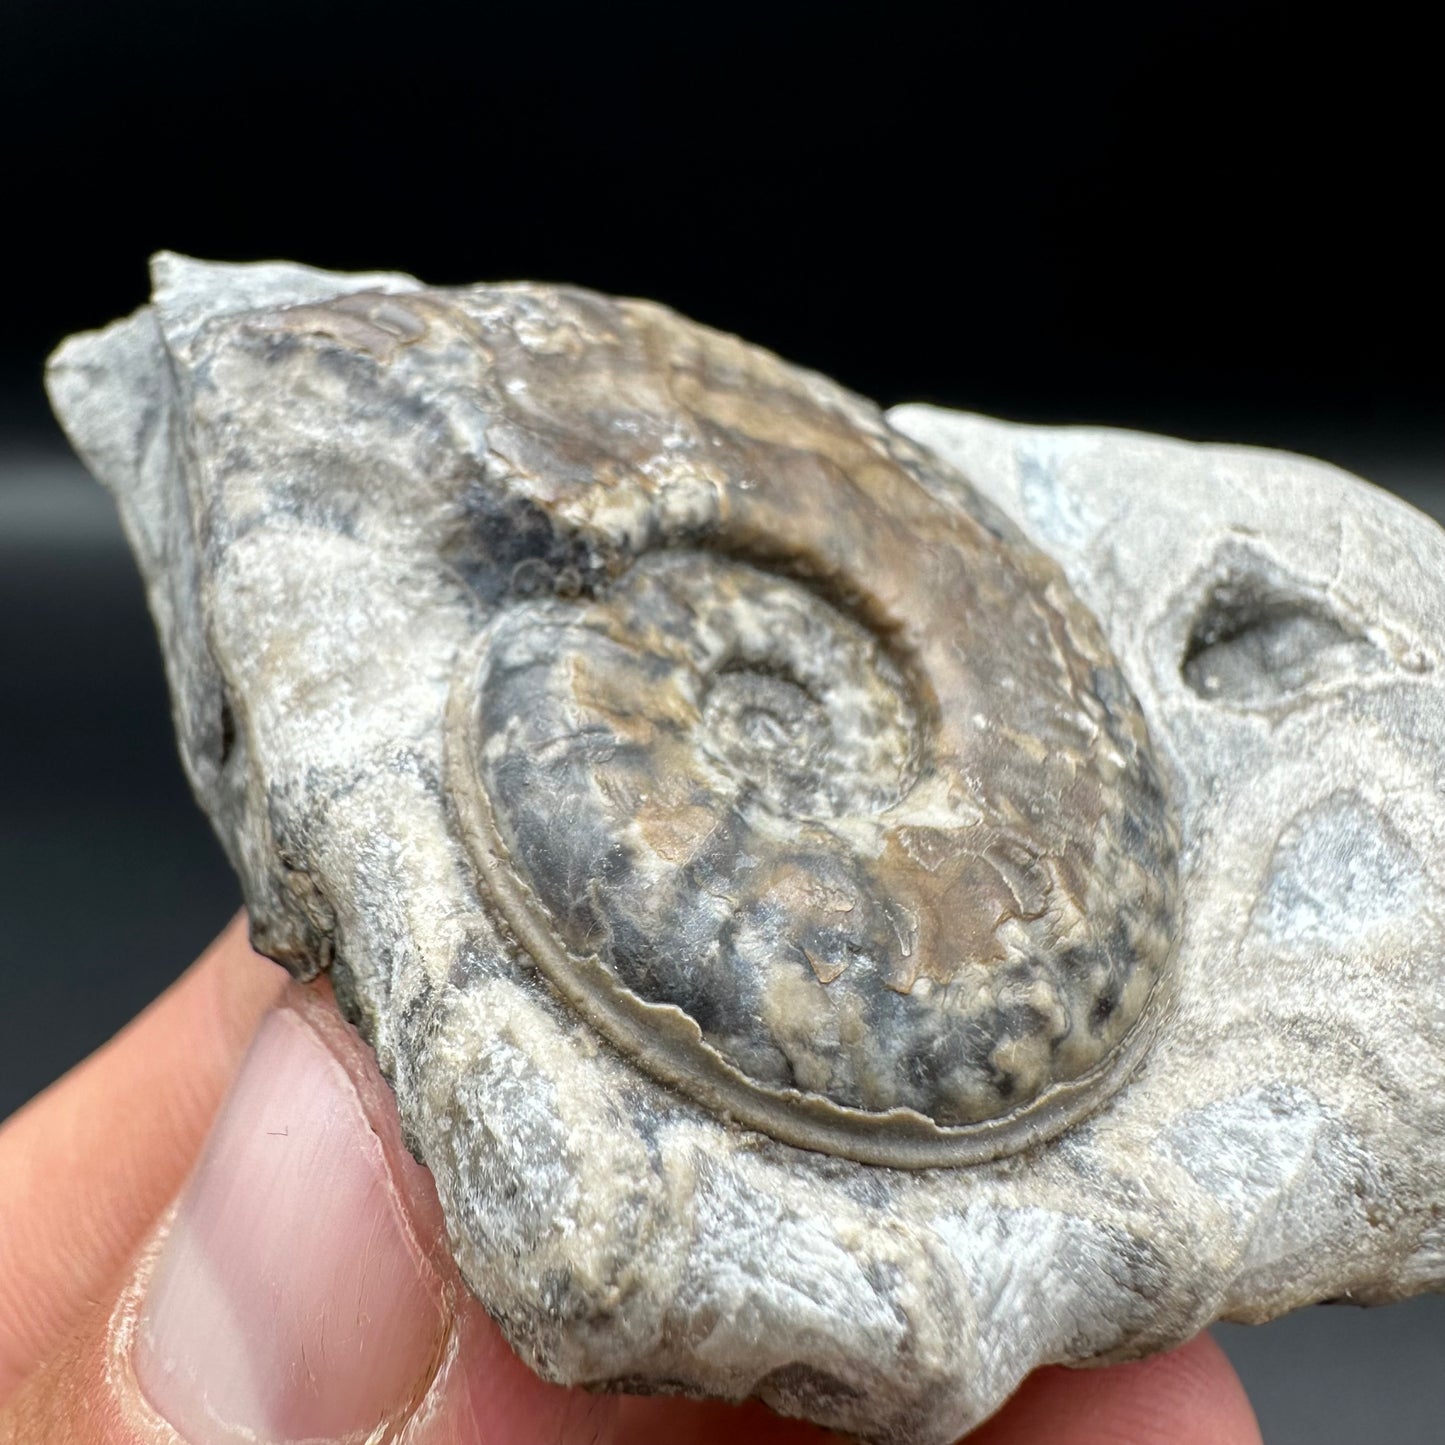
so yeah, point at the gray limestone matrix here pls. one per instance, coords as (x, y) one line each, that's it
(853, 907)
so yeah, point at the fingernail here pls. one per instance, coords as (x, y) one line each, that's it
(290, 1301)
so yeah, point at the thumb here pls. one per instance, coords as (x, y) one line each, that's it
(300, 1289)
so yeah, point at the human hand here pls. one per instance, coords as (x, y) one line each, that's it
(301, 1289)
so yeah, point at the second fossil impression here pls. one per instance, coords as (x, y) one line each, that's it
(852, 907)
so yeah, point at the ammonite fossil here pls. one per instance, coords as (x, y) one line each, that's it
(852, 907)
(800, 774)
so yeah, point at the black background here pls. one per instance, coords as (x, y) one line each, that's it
(1207, 220)
(1200, 215)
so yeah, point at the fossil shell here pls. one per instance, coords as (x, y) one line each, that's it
(816, 790)
(707, 793)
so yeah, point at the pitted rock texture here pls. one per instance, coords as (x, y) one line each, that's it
(708, 793)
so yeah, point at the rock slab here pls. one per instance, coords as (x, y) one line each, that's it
(304, 462)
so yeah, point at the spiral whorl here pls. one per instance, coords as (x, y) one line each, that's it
(798, 772)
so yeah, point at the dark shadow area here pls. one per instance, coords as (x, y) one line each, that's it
(1206, 219)
(1345, 1376)
(113, 879)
